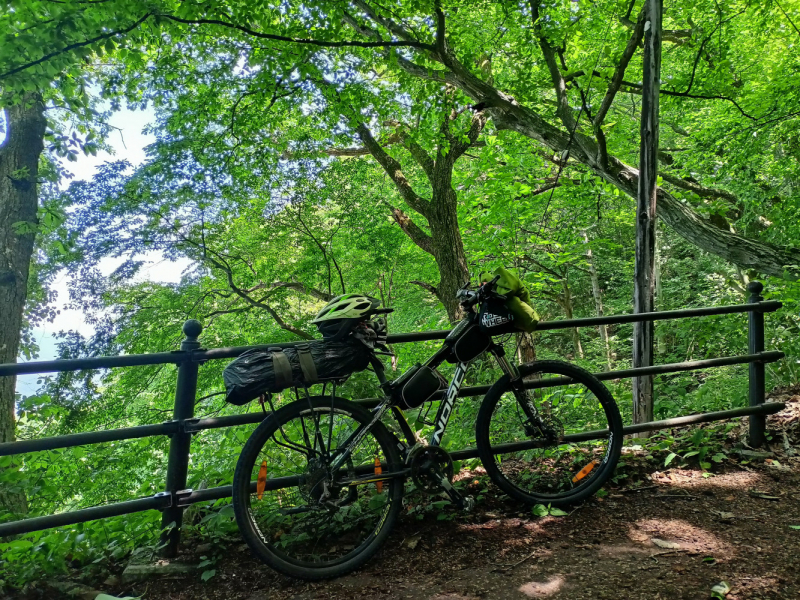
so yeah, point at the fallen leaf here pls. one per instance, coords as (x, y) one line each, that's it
(412, 542)
(720, 590)
(725, 516)
(665, 544)
(762, 495)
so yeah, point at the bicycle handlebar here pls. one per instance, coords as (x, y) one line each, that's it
(470, 298)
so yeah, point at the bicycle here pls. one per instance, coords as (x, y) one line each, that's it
(319, 484)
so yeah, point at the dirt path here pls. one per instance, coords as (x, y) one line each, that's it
(676, 537)
(658, 534)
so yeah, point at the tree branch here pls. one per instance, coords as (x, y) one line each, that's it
(477, 124)
(392, 168)
(702, 191)
(441, 76)
(306, 41)
(342, 152)
(676, 36)
(412, 230)
(388, 24)
(75, 46)
(418, 152)
(564, 111)
(788, 18)
(638, 90)
(426, 286)
(619, 72)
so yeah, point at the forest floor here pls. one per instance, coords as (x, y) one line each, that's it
(659, 533)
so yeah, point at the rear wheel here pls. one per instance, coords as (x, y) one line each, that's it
(554, 444)
(300, 515)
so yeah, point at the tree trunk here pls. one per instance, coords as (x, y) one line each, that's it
(569, 314)
(526, 352)
(19, 171)
(441, 211)
(526, 348)
(661, 341)
(643, 278)
(598, 302)
(448, 248)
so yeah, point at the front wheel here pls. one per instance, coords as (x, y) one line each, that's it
(554, 441)
(317, 488)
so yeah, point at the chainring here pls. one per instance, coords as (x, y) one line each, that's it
(427, 464)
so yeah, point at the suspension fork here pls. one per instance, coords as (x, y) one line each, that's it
(517, 385)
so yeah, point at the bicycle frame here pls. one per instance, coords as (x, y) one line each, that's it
(442, 415)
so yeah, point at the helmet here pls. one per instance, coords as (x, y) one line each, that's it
(338, 317)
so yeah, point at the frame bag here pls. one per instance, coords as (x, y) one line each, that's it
(416, 386)
(260, 371)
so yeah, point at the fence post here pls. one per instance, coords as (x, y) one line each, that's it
(178, 465)
(755, 344)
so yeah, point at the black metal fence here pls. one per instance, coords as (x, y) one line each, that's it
(189, 358)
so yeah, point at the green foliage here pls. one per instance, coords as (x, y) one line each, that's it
(244, 184)
(540, 510)
(703, 445)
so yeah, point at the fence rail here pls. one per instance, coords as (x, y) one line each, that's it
(189, 358)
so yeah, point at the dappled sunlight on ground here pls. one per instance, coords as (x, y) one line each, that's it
(616, 550)
(544, 589)
(684, 478)
(678, 535)
(754, 587)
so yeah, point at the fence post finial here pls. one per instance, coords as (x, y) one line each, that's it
(192, 330)
(755, 288)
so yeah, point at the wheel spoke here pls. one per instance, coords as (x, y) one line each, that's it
(329, 519)
(562, 449)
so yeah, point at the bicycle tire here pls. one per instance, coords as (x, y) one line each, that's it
(265, 528)
(554, 473)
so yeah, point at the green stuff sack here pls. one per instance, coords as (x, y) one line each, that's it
(518, 298)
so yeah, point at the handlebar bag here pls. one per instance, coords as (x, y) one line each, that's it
(495, 318)
(269, 370)
(518, 299)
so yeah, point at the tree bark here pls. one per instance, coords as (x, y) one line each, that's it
(441, 211)
(447, 246)
(644, 266)
(569, 314)
(598, 302)
(19, 171)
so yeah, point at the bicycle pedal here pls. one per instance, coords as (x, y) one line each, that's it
(467, 503)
